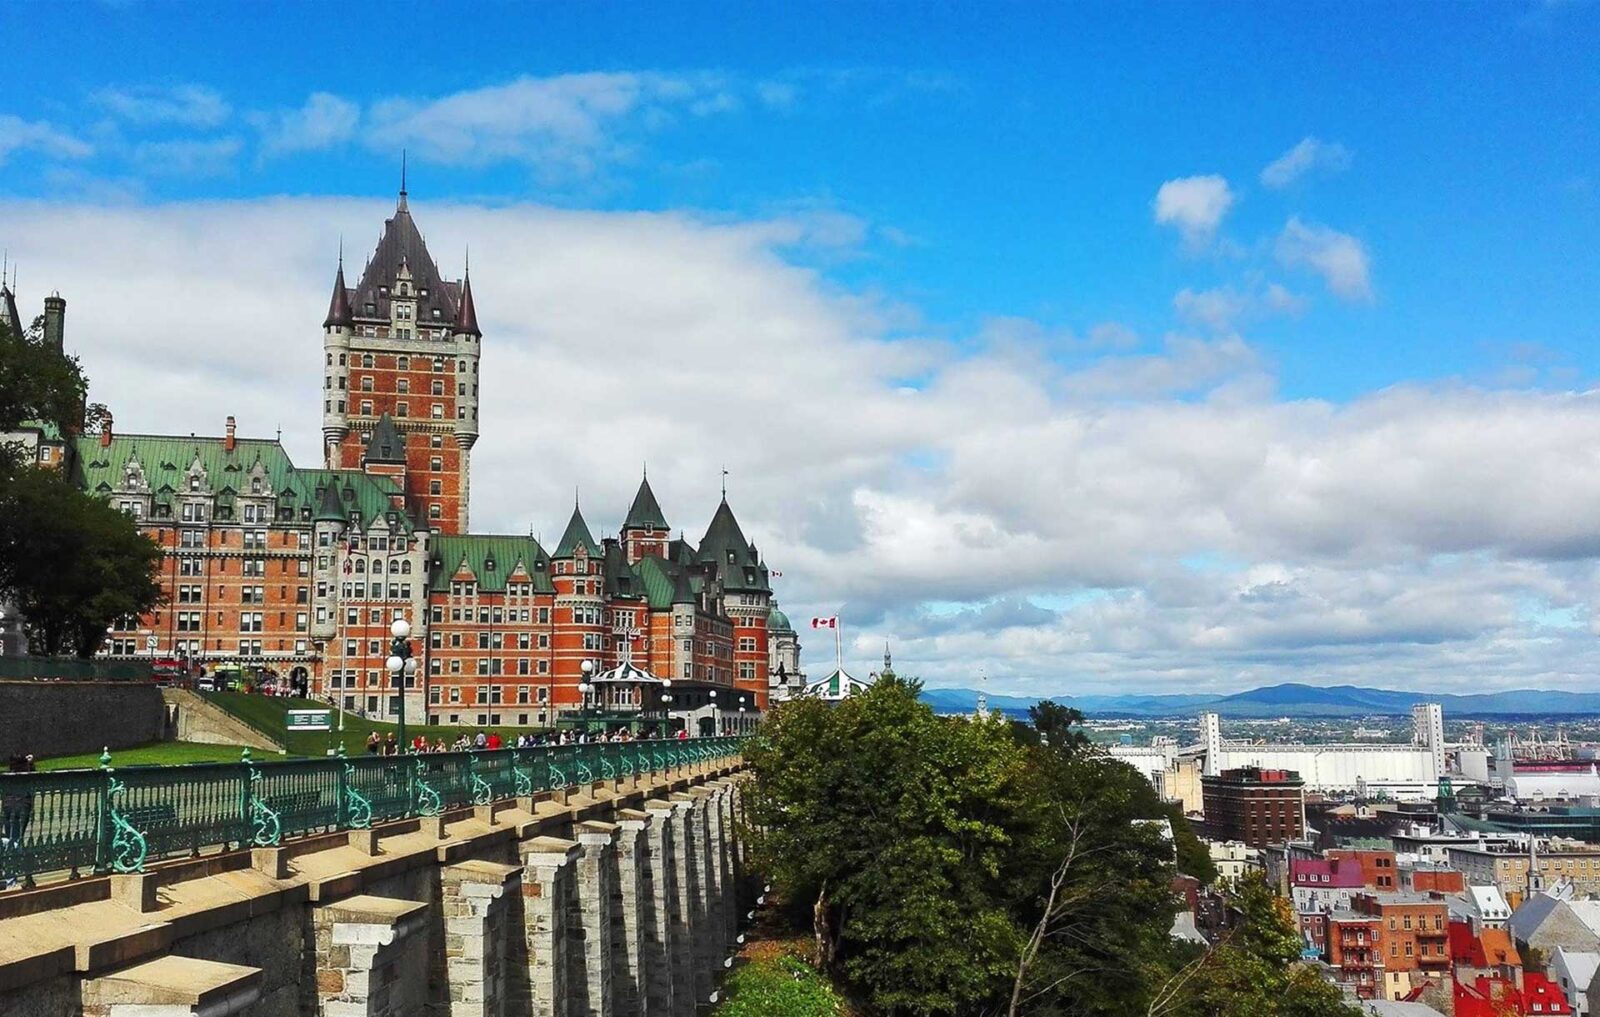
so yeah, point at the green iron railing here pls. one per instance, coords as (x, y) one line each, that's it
(117, 819)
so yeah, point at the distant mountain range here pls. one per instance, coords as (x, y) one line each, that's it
(1288, 700)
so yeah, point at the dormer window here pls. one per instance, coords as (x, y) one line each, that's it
(194, 483)
(403, 289)
(435, 314)
(383, 291)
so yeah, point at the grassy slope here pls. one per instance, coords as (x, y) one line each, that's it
(165, 753)
(267, 714)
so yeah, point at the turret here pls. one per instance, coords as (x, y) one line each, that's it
(466, 336)
(645, 530)
(337, 329)
(55, 321)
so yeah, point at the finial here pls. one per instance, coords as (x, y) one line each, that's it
(402, 206)
(469, 261)
(646, 470)
(341, 252)
(724, 483)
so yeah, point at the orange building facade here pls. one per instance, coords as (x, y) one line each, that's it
(301, 571)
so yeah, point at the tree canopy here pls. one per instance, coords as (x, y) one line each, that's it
(972, 867)
(70, 561)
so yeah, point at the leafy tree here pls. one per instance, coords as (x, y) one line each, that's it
(40, 383)
(1255, 972)
(953, 868)
(71, 562)
(68, 560)
(1058, 726)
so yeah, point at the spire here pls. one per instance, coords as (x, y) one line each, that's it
(467, 313)
(339, 305)
(386, 444)
(645, 513)
(402, 207)
(577, 532)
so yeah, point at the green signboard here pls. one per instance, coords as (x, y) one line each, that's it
(308, 720)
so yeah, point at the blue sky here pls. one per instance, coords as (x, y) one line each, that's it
(1070, 210)
(1010, 150)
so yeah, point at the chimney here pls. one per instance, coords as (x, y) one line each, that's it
(55, 320)
(229, 442)
(105, 432)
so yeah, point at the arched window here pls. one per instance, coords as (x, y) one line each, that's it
(366, 360)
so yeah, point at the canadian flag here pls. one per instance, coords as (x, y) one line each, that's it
(825, 623)
(776, 574)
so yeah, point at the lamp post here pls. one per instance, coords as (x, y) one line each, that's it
(402, 666)
(585, 686)
(716, 719)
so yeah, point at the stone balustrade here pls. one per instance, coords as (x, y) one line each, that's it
(621, 898)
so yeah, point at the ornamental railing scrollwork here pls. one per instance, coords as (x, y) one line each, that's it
(266, 826)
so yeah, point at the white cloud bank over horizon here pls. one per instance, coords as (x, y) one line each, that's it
(1155, 518)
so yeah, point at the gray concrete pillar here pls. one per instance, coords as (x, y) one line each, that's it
(629, 897)
(661, 918)
(716, 860)
(370, 957)
(705, 937)
(476, 898)
(589, 963)
(171, 987)
(686, 905)
(549, 885)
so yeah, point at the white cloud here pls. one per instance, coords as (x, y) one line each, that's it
(1338, 257)
(1156, 519)
(1308, 155)
(19, 135)
(1224, 307)
(571, 123)
(186, 105)
(324, 121)
(1195, 205)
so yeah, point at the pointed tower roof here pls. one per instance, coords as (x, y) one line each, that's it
(467, 313)
(722, 536)
(339, 305)
(734, 558)
(645, 513)
(330, 509)
(577, 532)
(386, 444)
(402, 244)
(9, 318)
(682, 591)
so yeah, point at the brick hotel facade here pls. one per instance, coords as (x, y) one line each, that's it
(302, 570)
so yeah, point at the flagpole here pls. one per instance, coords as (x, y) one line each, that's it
(838, 642)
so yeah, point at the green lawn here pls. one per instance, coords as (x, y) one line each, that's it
(776, 982)
(268, 715)
(165, 753)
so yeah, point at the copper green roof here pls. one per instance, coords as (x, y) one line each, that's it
(577, 532)
(490, 558)
(645, 513)
(665, 583)
(165, 461)
(777, 621)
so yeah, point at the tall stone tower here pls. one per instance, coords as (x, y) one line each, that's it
(405, 343)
